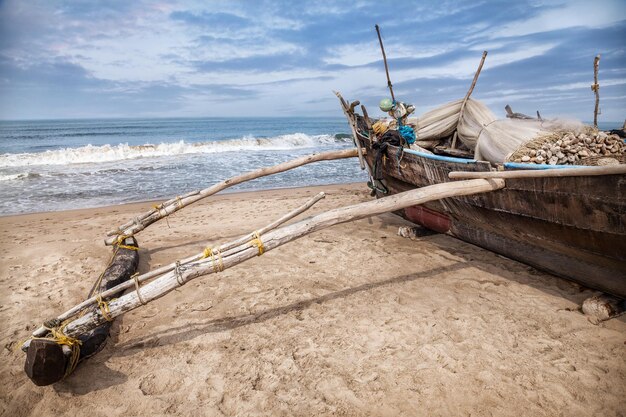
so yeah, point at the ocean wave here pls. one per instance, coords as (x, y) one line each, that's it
(18, 176)
(109, 153)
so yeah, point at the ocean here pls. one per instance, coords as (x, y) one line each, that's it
(52, 165)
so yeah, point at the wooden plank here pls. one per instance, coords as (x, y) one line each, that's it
(543, 173)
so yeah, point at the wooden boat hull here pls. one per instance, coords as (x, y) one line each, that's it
(573, 227)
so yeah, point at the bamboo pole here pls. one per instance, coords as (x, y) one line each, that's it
(467, 96)
(241, 244)
(273, 239)
(171, 206)
(382, 48)
(596, 89)
(543, 173)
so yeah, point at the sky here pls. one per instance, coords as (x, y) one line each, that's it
(120, 58)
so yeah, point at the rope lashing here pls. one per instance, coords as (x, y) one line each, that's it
(158, 208)
(120, 243)
(218, 263)
(179, 277)
(135, 278)
(74, 344)
(104, 308)
(595, 87)
(258, 243)
(179, 202)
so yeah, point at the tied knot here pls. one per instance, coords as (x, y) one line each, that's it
(258, 243)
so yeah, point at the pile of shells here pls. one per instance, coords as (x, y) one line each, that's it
(567, 148)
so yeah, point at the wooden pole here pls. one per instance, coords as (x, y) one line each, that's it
(171, 206)
(471, 89)
(596, 89)
(223, 250)
(273, 239)
(351, 120)
(543, 173)
(382, 48)
(467, 96)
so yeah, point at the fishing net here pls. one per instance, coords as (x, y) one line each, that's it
(500, 139)
(441, 122)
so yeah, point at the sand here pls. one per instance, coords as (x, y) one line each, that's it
(352, 320)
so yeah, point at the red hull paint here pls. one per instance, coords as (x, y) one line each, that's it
(431, 219)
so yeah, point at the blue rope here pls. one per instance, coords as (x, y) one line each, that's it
(407, 133)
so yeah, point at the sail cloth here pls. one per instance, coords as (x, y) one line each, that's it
(441, 122)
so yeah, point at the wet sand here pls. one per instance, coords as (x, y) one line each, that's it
(352, 320)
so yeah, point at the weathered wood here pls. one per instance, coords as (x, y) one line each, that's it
(47, 361)
(471, 89)
(172, 280)
(603, 307)
(352, 121)
(596, 89)
(382, 48)
(223, 250)
(171, 206)
(543, 173)
(511, 115)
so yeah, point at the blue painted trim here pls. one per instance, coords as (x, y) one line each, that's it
(518, 165)
(440, 157)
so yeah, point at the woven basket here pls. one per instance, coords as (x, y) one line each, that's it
(603, 160)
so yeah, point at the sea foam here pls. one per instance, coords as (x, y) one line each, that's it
(108, 153)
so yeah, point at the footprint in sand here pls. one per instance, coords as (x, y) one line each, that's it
(160, 382)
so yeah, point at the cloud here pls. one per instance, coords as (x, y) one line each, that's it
(178, 58)
(558, 15)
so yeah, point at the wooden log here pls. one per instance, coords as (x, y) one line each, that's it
(172, 280)
(543, 173)
(223, 249)
(603, 307)
(171, 206)
(47, 361)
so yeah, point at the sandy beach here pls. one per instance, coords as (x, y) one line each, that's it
(349, 321)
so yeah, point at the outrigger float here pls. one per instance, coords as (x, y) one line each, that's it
(569, 221)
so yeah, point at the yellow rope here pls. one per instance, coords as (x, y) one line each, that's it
(120, 244)
(158, 208)
(179, 202)
(128, 247)
(59, 337)
(208, 252)
(104, 308)
(74, 344)
(136, 279)
(258, 242)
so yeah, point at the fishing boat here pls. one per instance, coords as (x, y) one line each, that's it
(573, 226)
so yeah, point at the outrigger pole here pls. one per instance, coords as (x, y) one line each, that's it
(166, 208)
(382, 48)
(260, 244)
